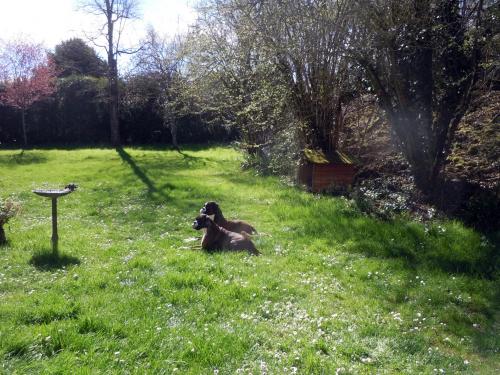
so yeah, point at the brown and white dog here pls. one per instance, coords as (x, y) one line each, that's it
(218, 238)
(238, 226)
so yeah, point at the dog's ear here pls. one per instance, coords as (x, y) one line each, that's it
(203, 218)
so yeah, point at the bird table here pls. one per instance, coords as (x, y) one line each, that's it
(53, 194)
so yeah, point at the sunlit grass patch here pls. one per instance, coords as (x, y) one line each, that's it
(334, 291)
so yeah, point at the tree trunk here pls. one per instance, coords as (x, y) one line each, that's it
(173, 132)
(23, 122)
(112, 81)
(410, 131)
(113, 114)
(456, 101)
(113, 102)
(339, 120)
(3, 239)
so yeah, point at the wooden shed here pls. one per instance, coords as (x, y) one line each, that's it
(320, 171)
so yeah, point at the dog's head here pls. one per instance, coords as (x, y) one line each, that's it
(210, 208)
(201, 221)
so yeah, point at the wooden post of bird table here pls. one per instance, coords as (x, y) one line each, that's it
(55, 238)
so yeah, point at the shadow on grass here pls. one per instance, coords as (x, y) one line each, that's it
(141, 174)
(47, 260)
(69, 146)
(485, 339)
(452, 249)
(190, 159)
(22, 158)
(183, 147)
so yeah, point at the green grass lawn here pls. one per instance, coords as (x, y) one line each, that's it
(333, 292)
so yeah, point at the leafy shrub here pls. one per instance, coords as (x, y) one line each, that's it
(388, 197)
(482, 209)
(8, 209)
(278, 157)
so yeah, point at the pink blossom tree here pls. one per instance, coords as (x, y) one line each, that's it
(27, 75)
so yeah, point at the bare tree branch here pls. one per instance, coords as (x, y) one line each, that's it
(115, 12)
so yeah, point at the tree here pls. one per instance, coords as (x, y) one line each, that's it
(116, 13)
(81, 110)
(28, 76)
(159, 59)
(75, 57)
(421, 58)
(308, 39)
(286, 55)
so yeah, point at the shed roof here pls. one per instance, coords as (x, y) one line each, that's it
(320, 157)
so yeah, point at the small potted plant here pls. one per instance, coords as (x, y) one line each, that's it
(8, 208)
